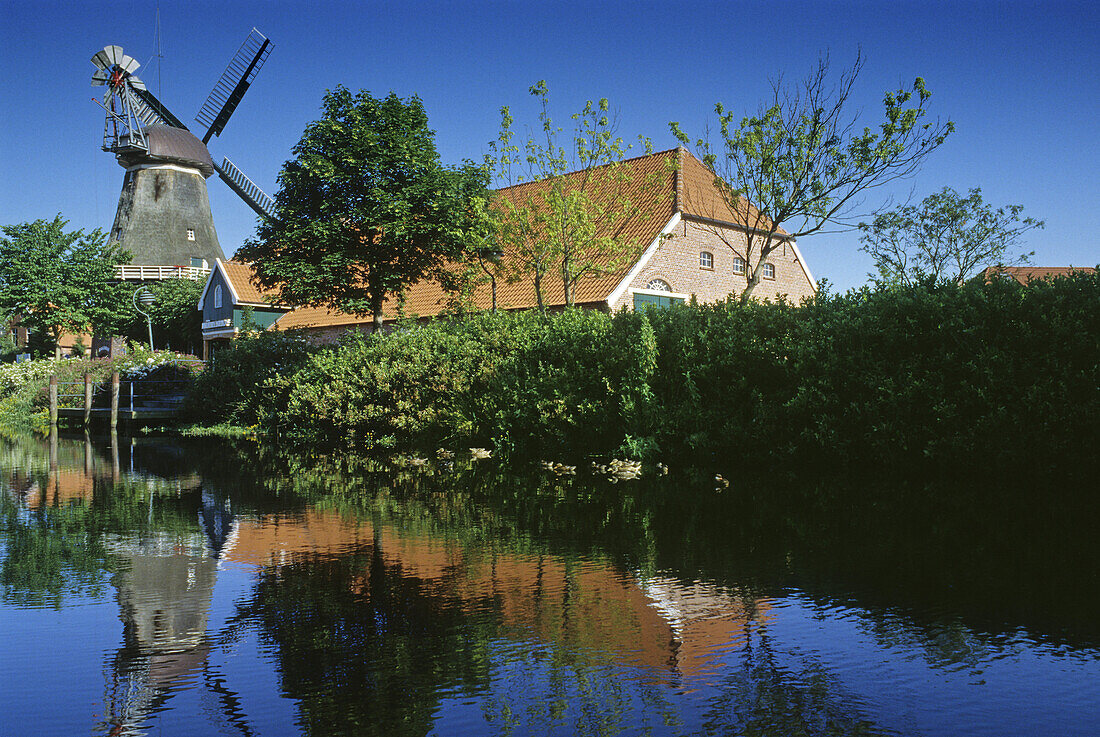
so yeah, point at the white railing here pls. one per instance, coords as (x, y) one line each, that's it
(156, 273)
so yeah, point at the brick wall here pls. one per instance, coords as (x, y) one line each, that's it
(677, 262)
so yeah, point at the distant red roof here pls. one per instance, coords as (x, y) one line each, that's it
(1024, 274)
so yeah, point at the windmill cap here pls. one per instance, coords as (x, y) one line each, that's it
(173, 145)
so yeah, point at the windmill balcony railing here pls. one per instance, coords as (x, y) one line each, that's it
(158, 273)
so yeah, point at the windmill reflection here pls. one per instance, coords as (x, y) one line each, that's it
(165, 585)
(163, 555)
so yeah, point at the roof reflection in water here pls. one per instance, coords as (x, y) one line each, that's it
(673, 630)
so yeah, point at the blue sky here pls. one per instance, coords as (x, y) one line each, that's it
(1021, 81)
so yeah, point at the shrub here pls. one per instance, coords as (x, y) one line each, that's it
(230, 388)
(936, 376)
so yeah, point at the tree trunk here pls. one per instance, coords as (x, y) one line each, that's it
(754, 280)
(565, 278)
(538, 290)
(493, 282)
(377, 299)
(754, 276)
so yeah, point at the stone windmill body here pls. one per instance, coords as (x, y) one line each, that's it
(163, 216)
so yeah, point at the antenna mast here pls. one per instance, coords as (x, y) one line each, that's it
(159, 56)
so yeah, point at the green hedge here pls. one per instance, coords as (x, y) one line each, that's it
(982, 373)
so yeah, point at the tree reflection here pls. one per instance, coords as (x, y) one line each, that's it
(764, 695)
(363, 647)
(390, 592)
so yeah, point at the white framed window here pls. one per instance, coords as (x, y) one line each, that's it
(768, 272)
(706, 260)
(738, 265)
(658, 285)
(217, 296)
(190, 234)
(649, 297)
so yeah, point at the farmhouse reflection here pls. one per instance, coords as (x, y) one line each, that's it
(671, 629)
(404, 615)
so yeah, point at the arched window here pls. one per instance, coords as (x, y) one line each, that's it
(768, 271)
(658, 285)
(738, 265)
(217, 296)
(706, 260)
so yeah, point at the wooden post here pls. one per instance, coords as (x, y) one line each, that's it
(114, 400)
(53, 401)
(115, 474)
(54, 479)
(88, 465)
(87, 399)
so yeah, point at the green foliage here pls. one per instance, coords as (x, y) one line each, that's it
(369, 391)
(229, 389)
(981, 374)
(723, 374)
(947, 237)
(8, 348)
(937, 376)
(574, 223)
(58, 282)
(177, 323)
(365, 208)
(803, 163)
(574, 385)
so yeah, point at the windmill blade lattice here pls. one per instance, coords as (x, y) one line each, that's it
(232, 85)
(246, 189)
(155, 108)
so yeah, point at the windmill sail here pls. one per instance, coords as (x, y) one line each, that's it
(253, 196)
(152, 110)
(234, 82)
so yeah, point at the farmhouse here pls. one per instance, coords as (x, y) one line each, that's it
(688, 245)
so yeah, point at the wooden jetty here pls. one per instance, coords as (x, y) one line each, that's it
(125, 403)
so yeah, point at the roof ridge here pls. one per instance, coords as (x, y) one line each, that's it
(529, 182)
(678, 191)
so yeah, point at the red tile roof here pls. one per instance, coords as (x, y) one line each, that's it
(657, 185)
(239, 275)
(1024, 274)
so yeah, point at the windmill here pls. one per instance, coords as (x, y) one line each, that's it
(163, 215)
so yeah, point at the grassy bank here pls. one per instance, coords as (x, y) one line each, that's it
(990, 374)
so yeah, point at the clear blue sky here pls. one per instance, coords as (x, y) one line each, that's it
(1020, 81)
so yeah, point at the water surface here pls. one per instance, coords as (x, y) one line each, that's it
(167, 588)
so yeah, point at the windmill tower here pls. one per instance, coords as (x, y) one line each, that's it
(163, 215)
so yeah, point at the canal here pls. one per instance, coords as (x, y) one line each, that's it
(162, 587)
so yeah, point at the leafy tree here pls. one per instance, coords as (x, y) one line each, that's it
(947, 237)
(802, 163)
(8, 348)
(365, 208)
(59, 282)
(177, 323)
(483, 259)
(574, 223)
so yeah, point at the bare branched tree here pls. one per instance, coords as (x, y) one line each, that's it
(803, 163)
